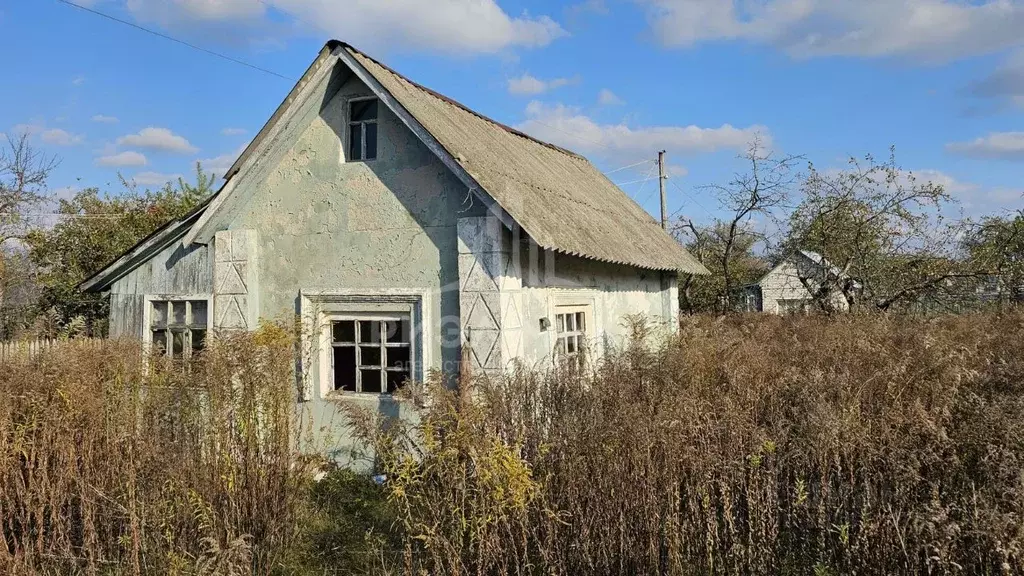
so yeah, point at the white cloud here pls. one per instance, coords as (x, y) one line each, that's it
(608, 98)
(122, 159)
(30, 129)
(78, 80)
(930, 30)
(997, 145)
(105, 119)
(158, 139)
(220, 165)
(154, 178)
(59, 137)
(676, 170)
(233, 131)
(570, 128)
(530, 85)
(454, 26)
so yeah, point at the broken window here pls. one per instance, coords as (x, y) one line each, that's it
(571, 329)
(371, 355)
(178, 327)
(362, 129)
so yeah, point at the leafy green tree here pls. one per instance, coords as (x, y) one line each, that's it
(729, 254)
(883, 233)
(996, 246)
(92, 232)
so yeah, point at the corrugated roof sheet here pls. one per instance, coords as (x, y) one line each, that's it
(559, 198)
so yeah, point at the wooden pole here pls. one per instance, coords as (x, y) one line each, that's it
(661, 185)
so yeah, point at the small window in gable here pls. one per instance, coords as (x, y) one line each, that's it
(362, 129)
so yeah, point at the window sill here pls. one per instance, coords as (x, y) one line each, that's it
(360, 397)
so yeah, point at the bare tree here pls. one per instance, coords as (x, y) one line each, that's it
(726, 245)
(23, 175)
(884, 237)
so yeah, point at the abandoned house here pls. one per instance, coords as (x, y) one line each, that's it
(787, 287)
(405, 230)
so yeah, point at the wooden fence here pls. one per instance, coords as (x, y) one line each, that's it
(12, 349)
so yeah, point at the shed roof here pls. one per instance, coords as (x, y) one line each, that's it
(559, 198)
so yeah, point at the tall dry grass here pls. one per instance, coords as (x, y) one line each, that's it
(110, 466)
(880, 445)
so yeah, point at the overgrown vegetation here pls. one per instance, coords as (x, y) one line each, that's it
(748, 445)
(113, 463)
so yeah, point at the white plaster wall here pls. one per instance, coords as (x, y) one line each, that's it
(614, 292)
(783, 283)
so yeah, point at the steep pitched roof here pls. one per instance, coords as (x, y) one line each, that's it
(559, 198)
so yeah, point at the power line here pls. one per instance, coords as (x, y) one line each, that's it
(691, 197)
(650, 173)
(176, 40)
(641, 163)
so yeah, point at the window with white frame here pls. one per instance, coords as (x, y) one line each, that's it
(788, 306)
(362, 129)
(371, 353)
(571, 329)
(178, 328)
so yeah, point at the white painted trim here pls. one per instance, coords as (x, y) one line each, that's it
(577, 298)
(313, 320)
(147, 329)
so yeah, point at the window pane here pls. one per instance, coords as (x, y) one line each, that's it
(177, 344)
(159, 313)
(399, 357)
(178, 313)
(371, 141)
(561, 345)
(369, 331)
(570, 324)
(397, 331)
(198, 340)
(581, 323)
(371, 380)
(345, 331)
(396, 380)
(560, 322)
(570, 343)
(369, 356)
(199, 313)
(160, 341)
(355, 141)
(345, 369)
(364, 110)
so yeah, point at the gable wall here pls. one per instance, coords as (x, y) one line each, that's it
(782, 283)
(172, 271)
(325, 224)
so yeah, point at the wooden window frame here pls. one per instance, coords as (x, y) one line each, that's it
(170, 328)
(361, 126)
(382, 344)
(567, 330)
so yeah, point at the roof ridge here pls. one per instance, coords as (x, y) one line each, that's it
(458, 104)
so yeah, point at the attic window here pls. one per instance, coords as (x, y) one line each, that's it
(362, 129)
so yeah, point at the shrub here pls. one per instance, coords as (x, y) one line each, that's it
(743, 446)
(114, 463)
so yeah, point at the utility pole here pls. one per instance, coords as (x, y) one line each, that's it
(661, 184)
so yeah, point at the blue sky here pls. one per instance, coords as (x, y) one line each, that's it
(616, 80)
